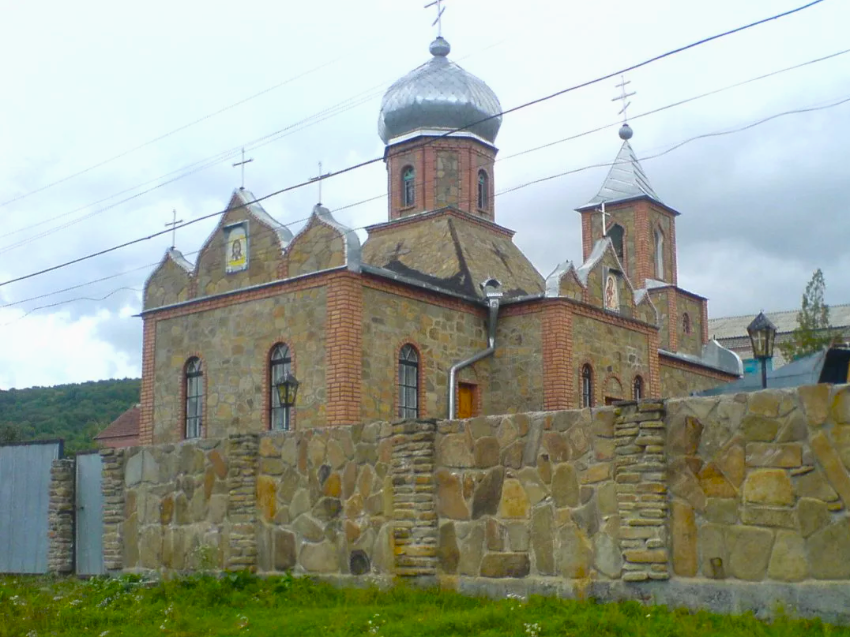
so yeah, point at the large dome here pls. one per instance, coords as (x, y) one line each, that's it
(439, 96)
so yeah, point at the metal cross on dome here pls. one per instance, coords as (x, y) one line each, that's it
(623, 97)
(439, 20)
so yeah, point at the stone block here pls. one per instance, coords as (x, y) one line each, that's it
(556, 446)
(267, 448)
(495, 535)
(498, 565)
(829, 552)
(471, 550)
(684, 484)
(455, 451)
(308, 528)
(814, 515)
(575, 553)
(732, 463)
(814, 485)
(450, 501)
(448, 552)
(606, 499)
(327, 509)
(762, 454)
(543, 539)
(756, 428)
(840, 409)
(488, 493)
(769, 486)
(333, 486)
(518, 536)
(684, 437)
(608, 558)
(788, 562)
(769, 516)
(534, 487)
(684, 532)
(596, 473)
(586, 517)
(815, 400)
(166, 510)
(486, 452)
(749, 552)
(713, 551)
(266, 497)
(646, 556)
(721, 510)
(832, 466)
(565, 490)
(319, 558)
(514, 503)
(765, 402)
(714, 484)
(217, 509)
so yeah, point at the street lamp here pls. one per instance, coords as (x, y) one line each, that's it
(287, 390)
(762, 335)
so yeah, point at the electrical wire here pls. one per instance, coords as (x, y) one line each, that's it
(261, 253)
(436, 138)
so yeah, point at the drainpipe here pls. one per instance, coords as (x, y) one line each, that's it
(494, 298)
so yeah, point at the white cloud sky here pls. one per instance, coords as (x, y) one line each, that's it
(761, 209)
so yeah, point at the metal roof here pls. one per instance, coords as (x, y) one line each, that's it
(736, 326)
(626, 180)
(439, 96)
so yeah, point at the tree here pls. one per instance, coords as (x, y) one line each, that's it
(813, 332)
(9, 433)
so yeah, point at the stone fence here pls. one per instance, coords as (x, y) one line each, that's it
(688, 501)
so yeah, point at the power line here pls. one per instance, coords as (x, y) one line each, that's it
(434, 139)
(257, 254)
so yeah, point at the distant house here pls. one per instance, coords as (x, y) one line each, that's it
(731, 333)
(123, 431)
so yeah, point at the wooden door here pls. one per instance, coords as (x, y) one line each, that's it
(465, 400)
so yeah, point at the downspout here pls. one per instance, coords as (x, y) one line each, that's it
(494, 299)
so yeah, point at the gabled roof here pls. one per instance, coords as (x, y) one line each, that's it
(249, 201)
(626, 180)
(736, 326)
(125, 426)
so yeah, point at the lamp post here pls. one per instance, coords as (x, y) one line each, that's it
(287, 390)
(762, 335)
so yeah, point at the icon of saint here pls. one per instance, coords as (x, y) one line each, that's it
(611, 301)
(236, 250)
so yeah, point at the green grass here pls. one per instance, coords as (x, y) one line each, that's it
(237, 604)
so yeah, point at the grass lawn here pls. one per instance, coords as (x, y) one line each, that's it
(238, 604)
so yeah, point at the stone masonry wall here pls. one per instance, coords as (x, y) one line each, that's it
(529, 495)
(682, 379)
(114, 513)
(760, 485)
(60, 517)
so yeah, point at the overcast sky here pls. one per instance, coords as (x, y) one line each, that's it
(90, 80)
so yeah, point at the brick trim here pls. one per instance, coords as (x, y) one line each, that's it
(557, 343)
(420, 384)
(673, 320)
(267, 385)
(344, 350)
(654, 385)
(146, 393)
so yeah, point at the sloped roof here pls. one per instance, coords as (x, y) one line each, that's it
(626, 180)
(453, 251)
(736, 326)
(125, 426)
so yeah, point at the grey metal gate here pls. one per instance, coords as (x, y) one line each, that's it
(24, 499)
(89, 522)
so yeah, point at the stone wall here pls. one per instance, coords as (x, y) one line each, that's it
(60, 517)
(313, 501)
(528, 496)
(680, 379)
(516, 373)
(760, 486)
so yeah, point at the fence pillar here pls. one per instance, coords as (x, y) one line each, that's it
(242, 456)
(641, 477)
(60, 517)
(112, 489)
(414, 509)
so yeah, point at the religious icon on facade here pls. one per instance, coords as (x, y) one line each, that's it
(236, 247)
(612, 294)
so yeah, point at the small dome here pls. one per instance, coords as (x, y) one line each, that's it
(626, 132)
(439, 95)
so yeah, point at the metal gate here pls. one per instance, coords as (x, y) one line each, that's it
(89, 522)
(24, 499)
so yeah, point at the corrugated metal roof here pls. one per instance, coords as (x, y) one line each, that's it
(736, 326)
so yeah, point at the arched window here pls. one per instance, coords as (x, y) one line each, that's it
(616, 235)
(637, 388)
(587, 386)
(408, 382)
(280, 364)
(408, 187)
(686, 323)
(483, 190)
(659, 255)
(194, 397)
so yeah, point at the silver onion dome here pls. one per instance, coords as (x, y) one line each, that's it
(439, 96)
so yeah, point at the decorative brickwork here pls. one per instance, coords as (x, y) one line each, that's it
(641, 477)
(242, 454)
(60, 517)
(114, 514)
(344, 350)
(557, 358)
(415, 514)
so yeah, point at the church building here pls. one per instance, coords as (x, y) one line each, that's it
(437, 314)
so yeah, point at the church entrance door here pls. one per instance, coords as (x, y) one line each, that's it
(465, 402)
